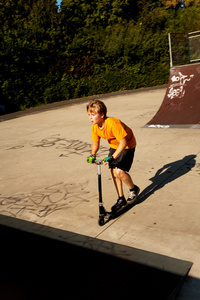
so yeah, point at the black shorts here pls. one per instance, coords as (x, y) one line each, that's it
(124, 161)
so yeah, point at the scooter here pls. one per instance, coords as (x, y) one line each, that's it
(104, 216)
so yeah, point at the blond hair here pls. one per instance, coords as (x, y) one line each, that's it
(98, 106)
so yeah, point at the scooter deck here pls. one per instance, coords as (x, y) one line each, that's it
(122, 210)
(103, 219)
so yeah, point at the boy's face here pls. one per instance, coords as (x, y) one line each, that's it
(95, 117)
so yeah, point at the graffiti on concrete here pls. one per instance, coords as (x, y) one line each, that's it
(68, 146)
(45, 201)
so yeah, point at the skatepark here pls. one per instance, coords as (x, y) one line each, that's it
(48, 188)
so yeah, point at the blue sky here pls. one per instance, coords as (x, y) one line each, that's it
(58, 2)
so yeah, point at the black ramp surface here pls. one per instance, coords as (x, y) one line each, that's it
(40, 262)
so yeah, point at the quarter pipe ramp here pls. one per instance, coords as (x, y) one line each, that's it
(181, 104)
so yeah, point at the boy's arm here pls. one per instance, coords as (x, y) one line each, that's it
(120, 149)
(95, 148)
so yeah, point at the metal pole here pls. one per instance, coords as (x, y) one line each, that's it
(188, 42)
(170, 50)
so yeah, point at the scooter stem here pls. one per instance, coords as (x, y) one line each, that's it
(99, 184)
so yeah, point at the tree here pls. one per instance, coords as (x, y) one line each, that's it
(28, 36)
(87, 47)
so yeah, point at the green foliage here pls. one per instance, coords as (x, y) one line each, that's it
(88, 47)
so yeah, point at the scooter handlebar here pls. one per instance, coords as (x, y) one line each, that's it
(98, 162)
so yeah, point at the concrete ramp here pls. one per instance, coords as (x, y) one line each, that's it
(181, 104)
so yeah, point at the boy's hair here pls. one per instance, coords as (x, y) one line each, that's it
(97, 105)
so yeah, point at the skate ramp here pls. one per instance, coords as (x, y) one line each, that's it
(46, 181)
(181, 104)
(44, 263)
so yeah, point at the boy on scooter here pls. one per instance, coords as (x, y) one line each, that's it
(121, 153)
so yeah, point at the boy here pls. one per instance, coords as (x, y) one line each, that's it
(122, 147)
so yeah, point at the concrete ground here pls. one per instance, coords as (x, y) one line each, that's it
(44, 178)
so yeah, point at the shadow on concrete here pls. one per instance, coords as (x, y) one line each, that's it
(167, 174)
(44, 263)
(190, 289)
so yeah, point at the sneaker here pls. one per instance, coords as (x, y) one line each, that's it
(118, 204)
(133, 195)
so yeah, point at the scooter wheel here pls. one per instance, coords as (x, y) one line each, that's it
(101, 221)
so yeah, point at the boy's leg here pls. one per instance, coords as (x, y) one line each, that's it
(117, 183)
(123, 162)
(121, 175)
(121, 201)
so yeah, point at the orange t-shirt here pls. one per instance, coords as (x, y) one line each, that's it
(114, 131)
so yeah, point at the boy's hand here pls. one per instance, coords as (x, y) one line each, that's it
(108, 159)
(90, 159)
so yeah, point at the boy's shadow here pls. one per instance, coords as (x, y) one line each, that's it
(166, 174)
